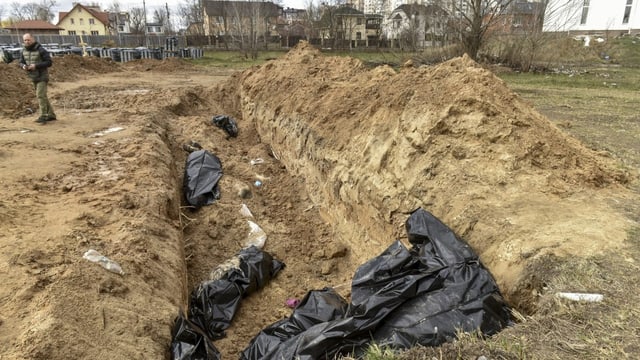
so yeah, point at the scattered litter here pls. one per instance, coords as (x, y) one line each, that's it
(292, 303)
(257, 237)
(21, 130)
(258, 183)
(309, 208)
(581, 296)
(275, 155)
(107, 131)
(105, 262)
(244, 210)
(227, 123)
(256, 161)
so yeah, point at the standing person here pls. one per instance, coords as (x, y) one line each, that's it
(35, 60)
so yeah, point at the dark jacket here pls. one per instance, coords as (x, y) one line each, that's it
(36, 54)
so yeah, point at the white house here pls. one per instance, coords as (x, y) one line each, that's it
(589, 16)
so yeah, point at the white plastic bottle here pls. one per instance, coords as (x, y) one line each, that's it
(104, 261)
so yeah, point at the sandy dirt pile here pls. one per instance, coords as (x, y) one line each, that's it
(372, 145)
(17, 96)
(17, 92)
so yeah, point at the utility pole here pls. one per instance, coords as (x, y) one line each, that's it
(166, 5)
(144, 11)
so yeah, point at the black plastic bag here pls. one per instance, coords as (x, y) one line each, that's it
(189, 342)
(467, 300)
(401, 298)
(202, 172)
(227, 123)
(214, 303)
(317, 307)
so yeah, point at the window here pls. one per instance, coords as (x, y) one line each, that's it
(359, 21)
(81, 21)
(73, 21)
(585, 12)
(92, 21)
(94, 32)
(627, 12)
(358, 35)
(72, 32)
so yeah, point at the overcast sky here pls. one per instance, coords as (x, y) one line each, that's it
(151, 5)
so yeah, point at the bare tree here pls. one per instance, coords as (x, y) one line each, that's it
(137, 20)
(190, 13)
(114, 7)
(248, 22)
(161, 16)
(330, 23)
(33, 10)
(311, 18)
(472, 20)
(559, 15)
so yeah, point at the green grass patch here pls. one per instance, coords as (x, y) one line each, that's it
(235, 59)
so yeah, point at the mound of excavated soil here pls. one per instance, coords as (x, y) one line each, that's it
(372, 145)
(17, 94)
(72, 67)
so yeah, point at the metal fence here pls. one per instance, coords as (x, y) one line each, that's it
(98, 41)
(126, 49)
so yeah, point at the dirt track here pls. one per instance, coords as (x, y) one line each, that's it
(347, 151)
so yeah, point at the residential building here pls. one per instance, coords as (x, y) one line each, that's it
(519, 17)
(592, 16)
(35, 27)
(343, 25)
(373, 29)
(240, 18)
(119, 22)
(84, 20)
(415, 26)
(154, 28)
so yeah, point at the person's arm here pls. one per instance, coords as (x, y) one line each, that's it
(46, 59)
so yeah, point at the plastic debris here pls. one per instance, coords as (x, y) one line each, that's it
(258, 183)
(107, 131)
(105, 262)
(257, 237)
(292, 302)
(256, 161)
(227, 123)
(244, 210)
(580, 296)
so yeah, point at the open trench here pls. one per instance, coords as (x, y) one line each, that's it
(346, 154)
(354, 170)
